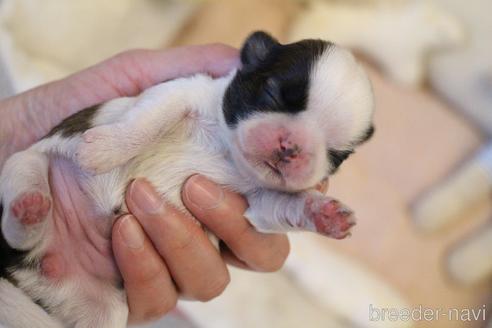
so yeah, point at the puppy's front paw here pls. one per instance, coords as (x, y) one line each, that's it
(102, 148)
(329, 217)
(31, 207)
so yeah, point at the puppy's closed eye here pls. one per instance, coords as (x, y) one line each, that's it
(367, 135)
(336, 157)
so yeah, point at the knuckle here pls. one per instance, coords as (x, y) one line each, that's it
(213, 288)
(126, 58)
(183, 240)
(160, 309)
(273, 258)
(148, 276)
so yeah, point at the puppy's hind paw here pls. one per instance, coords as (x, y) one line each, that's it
(31, 207)
(329, 217)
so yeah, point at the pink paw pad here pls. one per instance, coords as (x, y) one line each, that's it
(31, 207)
(331, 218)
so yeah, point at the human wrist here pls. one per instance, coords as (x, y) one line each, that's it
(23, 122)
(29, 116)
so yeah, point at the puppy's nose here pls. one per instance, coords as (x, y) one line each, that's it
(286, 153)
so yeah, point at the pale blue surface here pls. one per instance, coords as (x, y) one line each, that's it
(484, 157)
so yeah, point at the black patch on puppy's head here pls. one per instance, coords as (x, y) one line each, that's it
(273, 77)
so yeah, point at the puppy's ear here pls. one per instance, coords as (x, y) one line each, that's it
(256, 49)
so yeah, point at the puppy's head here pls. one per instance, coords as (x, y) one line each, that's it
(296, 111)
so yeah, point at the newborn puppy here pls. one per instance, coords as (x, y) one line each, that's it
(271, 131)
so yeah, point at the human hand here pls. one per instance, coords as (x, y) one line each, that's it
(151, 290)
(29, 116)
(174, 254)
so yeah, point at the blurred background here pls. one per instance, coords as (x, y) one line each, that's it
(420, 188)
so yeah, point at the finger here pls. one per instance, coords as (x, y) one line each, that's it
(131, 72)
(213, 59)
(126, 74)
(465, 262)
(149, 287)
(194, 263)
(231, 258)
(222, 212)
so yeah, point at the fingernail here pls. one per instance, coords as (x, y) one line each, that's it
(131, 233)
(145, 197)
(203, 193)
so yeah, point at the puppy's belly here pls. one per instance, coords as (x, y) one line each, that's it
(78, 242)
(171, 162)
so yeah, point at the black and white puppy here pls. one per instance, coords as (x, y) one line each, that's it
(271, 130)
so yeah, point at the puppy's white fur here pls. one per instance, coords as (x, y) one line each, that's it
(169, 132)
(17, 310)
